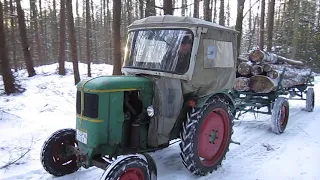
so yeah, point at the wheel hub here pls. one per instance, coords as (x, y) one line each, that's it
(132, 174)
(213, 136)
(212, 139)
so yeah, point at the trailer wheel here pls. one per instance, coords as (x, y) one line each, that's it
(54, 157)
(280, 115)
(132, 167)
(310, 100)
(206, 137)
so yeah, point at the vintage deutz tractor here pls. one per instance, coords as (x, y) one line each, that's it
(176, 82)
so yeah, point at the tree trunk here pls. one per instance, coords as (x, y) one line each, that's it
(34, 16)
(270, 23)
(55, 42)
(261, 41)
(13, 38)
(215, 11)
(196, 9)
(24, 40)
(117, 37)
(62, 52)
(88, 27)
(239, 23)
(78, 24)
(295, 29)
(72, 41)
(140, 8)
(167, 7)
(8, 79)
(207, 11)
(221, 14)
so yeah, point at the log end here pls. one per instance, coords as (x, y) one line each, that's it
(261, 84)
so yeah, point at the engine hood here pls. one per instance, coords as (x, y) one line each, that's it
(114, 83)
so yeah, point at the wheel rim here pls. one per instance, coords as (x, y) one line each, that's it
(284, 116)
(132, 174)
(61, 157)
(213, 136)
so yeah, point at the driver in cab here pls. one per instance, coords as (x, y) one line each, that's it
(184, 55)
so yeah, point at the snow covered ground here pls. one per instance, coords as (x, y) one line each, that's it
(26, 121)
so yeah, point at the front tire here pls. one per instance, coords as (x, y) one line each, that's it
(206, 137)
(54, 156)
(133, 167)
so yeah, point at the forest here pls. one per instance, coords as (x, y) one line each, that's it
(41, 32)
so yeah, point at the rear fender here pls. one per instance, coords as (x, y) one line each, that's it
(225, 95)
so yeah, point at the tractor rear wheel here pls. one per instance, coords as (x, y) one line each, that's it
(55, 157)
(280, 115)
(310, 100)
(206, 137)
(132, 167)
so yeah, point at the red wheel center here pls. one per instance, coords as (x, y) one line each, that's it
(213, 136)
(132, 174)
(283, 115)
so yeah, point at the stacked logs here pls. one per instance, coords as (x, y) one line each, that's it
(261, 72)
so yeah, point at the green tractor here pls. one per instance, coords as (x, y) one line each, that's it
(178, 73)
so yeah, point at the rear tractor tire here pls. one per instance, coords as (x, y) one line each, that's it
(55, 158)
(206, 137)
(310, 100)
(131, 167)
(280, 115)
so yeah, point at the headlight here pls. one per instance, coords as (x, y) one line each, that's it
(150, 111)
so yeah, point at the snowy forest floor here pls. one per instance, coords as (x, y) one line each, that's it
(48, 104)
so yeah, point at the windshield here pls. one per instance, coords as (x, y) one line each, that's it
(166, 50)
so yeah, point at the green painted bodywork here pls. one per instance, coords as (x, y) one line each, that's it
(108, 132)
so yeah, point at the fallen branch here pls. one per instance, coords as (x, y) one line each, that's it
(16, 160)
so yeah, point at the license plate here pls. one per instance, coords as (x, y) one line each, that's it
(82, 136)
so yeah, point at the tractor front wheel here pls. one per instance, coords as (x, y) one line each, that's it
(206, 137)
(132, 167)
(55, 157)
(280, 115)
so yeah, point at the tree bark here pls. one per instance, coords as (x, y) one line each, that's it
(221, 14)
(7, 76)
(271, 58)
(13, 38)
(41, 59)
(261, 41)
(270, 23)
(117, 37)
(239, 23)
(196, 9)
(167, 7)
(72, 41)
(88, 27)
(62, 52)
(24, 40)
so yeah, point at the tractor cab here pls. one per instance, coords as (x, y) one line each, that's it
(176, 82)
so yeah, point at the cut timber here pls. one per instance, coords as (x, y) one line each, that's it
(273, 74)
(242, 84)
(258, 56)
(267, 68)
(244, 68)
(262, 84)
(256, 70)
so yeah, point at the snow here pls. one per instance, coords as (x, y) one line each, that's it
(48, 104)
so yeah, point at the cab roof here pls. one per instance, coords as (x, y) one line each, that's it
(176, 21)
